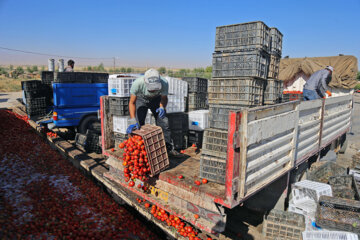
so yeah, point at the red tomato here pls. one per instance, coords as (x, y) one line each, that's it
(131, 183)
(204, 181)
(196, 216)
(197, 182)
(121, 145)
(180, 176)
(147, 205)
(194, 145)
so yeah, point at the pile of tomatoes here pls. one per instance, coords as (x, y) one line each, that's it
(135, 160)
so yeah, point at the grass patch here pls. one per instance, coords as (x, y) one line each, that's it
(10, 84)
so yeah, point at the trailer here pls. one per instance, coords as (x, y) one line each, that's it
(263, 144)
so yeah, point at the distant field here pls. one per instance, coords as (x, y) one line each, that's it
(10, 84)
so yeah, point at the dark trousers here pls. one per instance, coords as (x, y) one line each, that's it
(310, 94)
(142, 106)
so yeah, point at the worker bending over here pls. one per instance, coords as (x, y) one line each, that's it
(150, 92)
(70, 67)
(317, 85)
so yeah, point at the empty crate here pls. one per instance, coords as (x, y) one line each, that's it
(196, 84)
(119, 106)
(241, 64)
(273, 91)
(120, 87)
(213, 168)
(179, 138)
(276, 41)
(198, 120)
(310, 189)
(197, 101)
(274, 66)
(219, 115)
(242, 37)
(47, 77)
(176, 104)
(215, 142)
(195, 137)
(245, 91)
(178, 121)
(121, 123)
(177, 86)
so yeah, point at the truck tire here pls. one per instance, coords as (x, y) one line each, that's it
(90, 122)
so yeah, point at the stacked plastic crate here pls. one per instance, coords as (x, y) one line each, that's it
(240, 69)
(178, 92)
(36, 97)
(119, 97)
(274, 87)
(198, 98)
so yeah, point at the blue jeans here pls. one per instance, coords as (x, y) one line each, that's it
(310, 95)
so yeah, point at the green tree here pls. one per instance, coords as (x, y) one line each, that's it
(3, 71)
(89, 68)
(162, 70)
(35, 68)
(358, 76)
(129, 70)
(182, 72)
(101, 68)
(208, 69)
(11, 67)
(170, 73)
(29, 69)
(18, 71)
(42, 68)
(123, 70)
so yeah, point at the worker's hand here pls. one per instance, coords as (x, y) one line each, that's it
(328, 93)
(133, 125)
(161, 112)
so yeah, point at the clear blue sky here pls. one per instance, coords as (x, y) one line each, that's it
(169, 33)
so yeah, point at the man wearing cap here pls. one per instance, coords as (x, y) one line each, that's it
(150, 92)
(317, 85)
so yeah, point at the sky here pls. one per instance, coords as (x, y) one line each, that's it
(173, 34)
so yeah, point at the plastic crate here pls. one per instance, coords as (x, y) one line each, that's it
(80, 141)
(310, 189)
(120, 87)
(119, 138)
(121, 123)
(356, 174)
(198, 120)
(155, 147)
(100, 77)
(178, 121)
(176, 104)
(119, 106)
(92, 142)
(41, 90)
(215, 142)
(242, 37)
(338, 213)
(179, 138)
(286, 96)
(34, 103)
(47, 77)
(344, 187)
(196, 84)
(241, 64)
(219, 115)
(213, 168)
(36, 111)
(328, 235)
(274, 66)
(273, 91)
(196, 101)
(283, 225)
(245, 91)
(177, 86)
(305, 206)
(30, 85)
(276, 38)
(195, 137)
(324, 172)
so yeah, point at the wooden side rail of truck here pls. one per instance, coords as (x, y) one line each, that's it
(264, 143)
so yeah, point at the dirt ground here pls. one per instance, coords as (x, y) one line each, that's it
(7, 99)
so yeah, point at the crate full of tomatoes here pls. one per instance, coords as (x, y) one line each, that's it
(144, 153)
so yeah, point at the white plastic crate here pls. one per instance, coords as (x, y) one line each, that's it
(310, 189)
(177, 86)
(305, 206)
(121, 123)
(120, 86)
(328, 235)
(355, 173)
(175, 104)
(198, 120)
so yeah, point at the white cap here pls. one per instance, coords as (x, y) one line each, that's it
(152, 80)
(330, 68)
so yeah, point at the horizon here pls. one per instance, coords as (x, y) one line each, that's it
(140, 34)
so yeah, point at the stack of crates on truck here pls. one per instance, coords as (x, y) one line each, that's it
(37, 97)
(274, 86)
(198, 122)
(178, 92)
(179, 126)
(198, 97)
(240, 69)
(119, 96)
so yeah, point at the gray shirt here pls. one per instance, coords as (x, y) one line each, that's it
(317, 82)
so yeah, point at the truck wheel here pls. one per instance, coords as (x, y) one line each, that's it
(90, 122)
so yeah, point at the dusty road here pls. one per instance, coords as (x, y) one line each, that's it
(7, 99)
